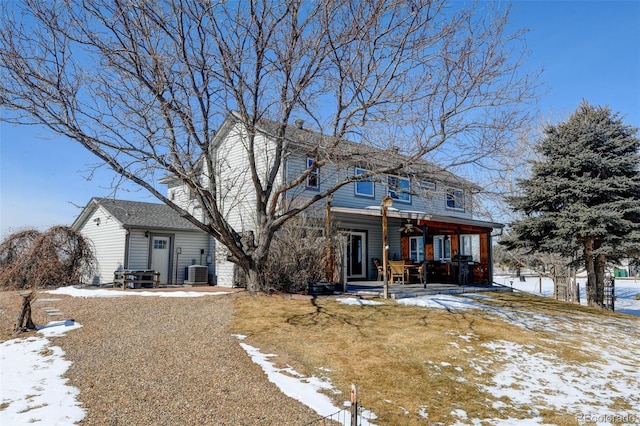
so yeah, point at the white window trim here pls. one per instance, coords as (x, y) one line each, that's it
(446, 199)
(373, 186)
(315, 173)
(471, 242)
(442, 244)
(397, 197)
(419, 248)
(428, 186)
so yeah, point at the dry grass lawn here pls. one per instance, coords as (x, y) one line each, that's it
(407, 359)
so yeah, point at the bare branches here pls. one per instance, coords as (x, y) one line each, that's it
(146, 86)
(59, 257)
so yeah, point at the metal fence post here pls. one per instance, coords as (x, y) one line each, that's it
(354, 405)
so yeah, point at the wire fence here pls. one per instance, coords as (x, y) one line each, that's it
(354, 415)
(344, 417)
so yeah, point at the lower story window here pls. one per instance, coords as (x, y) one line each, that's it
(441, 247)
(470, 246)
(416, 249)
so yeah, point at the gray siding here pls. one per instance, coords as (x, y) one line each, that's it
(429, 201)
(190, 242)
(138, 250)
(237, 197)
(108, 241)
(373, 227)
(236, 191)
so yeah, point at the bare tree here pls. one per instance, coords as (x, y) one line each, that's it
(144, 85)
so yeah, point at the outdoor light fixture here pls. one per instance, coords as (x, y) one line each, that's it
(146, 234)
(410, 228)
(97, 221)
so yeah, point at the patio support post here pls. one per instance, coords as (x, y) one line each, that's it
(459, 257)
(329, 267)
(386, 203)
(424, 256)
(489, 258)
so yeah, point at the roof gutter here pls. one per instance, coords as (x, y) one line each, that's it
(410, 214)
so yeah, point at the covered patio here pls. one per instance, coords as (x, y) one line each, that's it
(448, 250)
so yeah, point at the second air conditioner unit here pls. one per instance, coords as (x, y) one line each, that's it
(196, 275)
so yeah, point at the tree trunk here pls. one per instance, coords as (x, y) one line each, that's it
(600, 267)
(24, 321)
(595, 265)
(253, 281)
(591, 273)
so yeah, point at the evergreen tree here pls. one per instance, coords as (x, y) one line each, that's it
(583, 196)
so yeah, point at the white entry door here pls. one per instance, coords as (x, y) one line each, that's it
(356, 255)
(160, 260)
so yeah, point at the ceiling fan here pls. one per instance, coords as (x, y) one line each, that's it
(409, 228)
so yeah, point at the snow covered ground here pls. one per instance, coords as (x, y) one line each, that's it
(547, 382)
(35, 381)
(625, 289)
(32, 390)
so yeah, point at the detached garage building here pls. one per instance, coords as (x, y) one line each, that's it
(132, 235)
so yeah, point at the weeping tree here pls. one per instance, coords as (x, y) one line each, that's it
(30, 260)
(145, 85)
(582, 200)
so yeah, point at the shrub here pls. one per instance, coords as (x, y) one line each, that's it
(299, 255)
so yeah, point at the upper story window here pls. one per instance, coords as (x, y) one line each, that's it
(313, 180)
(455, 199)
(364, 188)
(427, 186)
(399, 188)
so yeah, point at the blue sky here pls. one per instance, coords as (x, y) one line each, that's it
(588, 50)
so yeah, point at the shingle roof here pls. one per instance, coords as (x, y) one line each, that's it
(304, 141)
(137, 214)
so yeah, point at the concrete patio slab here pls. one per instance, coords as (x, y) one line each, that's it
(399, 291)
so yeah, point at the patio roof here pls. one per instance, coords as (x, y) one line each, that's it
(410, 214)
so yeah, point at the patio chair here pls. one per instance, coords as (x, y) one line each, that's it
(421, 273)
(379, 268)
(397, 269)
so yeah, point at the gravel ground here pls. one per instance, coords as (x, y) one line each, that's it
(161, 361)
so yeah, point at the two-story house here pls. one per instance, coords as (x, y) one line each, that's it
(431, 219)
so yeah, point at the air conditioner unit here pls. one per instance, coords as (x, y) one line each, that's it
(197, 275)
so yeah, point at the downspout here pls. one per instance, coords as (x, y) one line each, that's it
(211, 261)
(127, 236)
